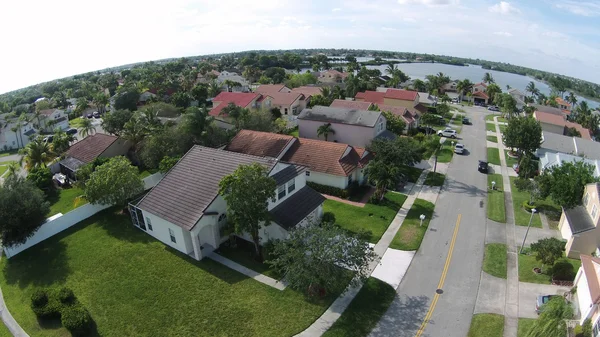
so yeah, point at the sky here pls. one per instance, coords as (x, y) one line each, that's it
(45, 40)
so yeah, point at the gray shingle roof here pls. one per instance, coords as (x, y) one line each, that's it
(579, 219)
(340, 115)
(548, 109)
(297, 207)
(287, 174)
(571, 145)
(190, 186)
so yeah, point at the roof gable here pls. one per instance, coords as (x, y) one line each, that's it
(324, 157)
(341, 116)
(241, 99)
(308, 91)
(269, 88)
(258, 143)
(91, 147)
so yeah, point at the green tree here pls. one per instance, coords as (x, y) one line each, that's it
(523, 134)
(532, 89)
(195, 122)
(492, 90)
(247, 191)
(114, 122)
(61, 141)
(169, 141)
(572, 99)
(236, 113)
(419, 85)
(100, 101)
(127, 99)
(181, 99)
(325, 130)
(487, 78)
(548, 250)
(37, 153)
(200, 93)
(23, 209)
(463, 87)
(214, 89)
(394, 123)
(552, 320)
(86, 128)
(565, 183)
(167, 163)
(311, 258)
(113, 183)
(41, 177)
(508, 104)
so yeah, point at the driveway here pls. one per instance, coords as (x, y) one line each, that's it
(534, 234)
(528, 293)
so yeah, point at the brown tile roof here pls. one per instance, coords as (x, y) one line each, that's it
(371, 96)
(308, 91)
(403, 95)
(481, 94)
(47, 112)
(183, 195)
(342, 103)
(401, 111)
(269, 88)
(324, 157)
(550, 118)
(241, 99)
(589, 265)
(91, 147)
(283, 98)
(260, 144)
(562, 102)
(365, 156)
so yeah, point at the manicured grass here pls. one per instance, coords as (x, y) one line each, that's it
(4, 332)
(65, 200)
(411, 233)
(493, 155)
(434, 179)
(490, 118)
(494, 260)
(147, 173)
(528, 262)
(3, 169)
(134, 285)
(521, 216)
(428, 153)
(412, 173)
(295, 133)
(496, 210)
(492, 139)
(551, 210)
(364, 311)
(486, 325)
(76, 122)
(490, 127)
(502, 128)
(510, 161)
(525, 324)
(371, 220)
(243, 254)
(446, 152)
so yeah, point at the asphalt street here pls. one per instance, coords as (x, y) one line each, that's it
(463, 198)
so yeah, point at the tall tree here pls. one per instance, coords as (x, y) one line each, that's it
(61, 141)
(195, 122)
(114, 122)
(419, 85)
(86, 128)
(532, 89)
(488, 78)
(552, 321)
(571, 98)
(394, 123)
(247, 191)
(325, 130)
(548, 250)
(463, 87)
(565, 183)
(508, 104)
(213, 89)
(100, 101)
(37, 153)
(236, 113)
(523, 134)
(492, 90)
(113, 183)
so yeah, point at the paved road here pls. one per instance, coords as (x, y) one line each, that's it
(453, 309)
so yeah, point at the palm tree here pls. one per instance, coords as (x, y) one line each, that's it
(352, 85)
(86, 128)
(12, 169)
(391, 69)
(100, 101)
(464, 86)
(492, 90)
(231, 84)
(38, 153)
(61, 141)
(487, 78)
(384, 176)
(572, 99)
(325, 130)
(508, 87)
(419, 85)
(552, 320)
(326, 92)
(214, 88)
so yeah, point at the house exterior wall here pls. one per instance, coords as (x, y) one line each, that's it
(117, 148)
(56, 114)
(479, 88)
(344, 133)
(552, 128)
(594, 199)
(12, 139)
(327, 179)
(160, 230)
(583, 243)
(564, 227)
(583, 296)
(299, 182)
(328, 77)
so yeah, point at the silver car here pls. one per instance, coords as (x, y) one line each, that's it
(459, 148)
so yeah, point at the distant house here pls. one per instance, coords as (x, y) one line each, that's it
(186, 212)
(244, 100)
(326, 163)
(343, 103)
(19, 138)
(579, 225)
(427, 99)
(51, 119)
(332, 76)
(587, 282)
(308, 92)
(94, 146)
(351, 126)
(554, 143)
(450, 86)
(145, 97)
(550, 109)
(562, 104)
(270, 88)
(558, 124)
(394, 97)
(225, 76)
(478, 93)
(518, 96)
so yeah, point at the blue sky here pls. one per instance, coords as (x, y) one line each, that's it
(44, 40)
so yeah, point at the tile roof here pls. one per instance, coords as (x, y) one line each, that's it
(550, 118)
(324, 157)
(562, 102)
(358, 105)
(183, 195)
(297, 207)
(371, 96)
(401, 111)
(269, 88)
(91, 147)
(283, 98)
(334, 72)
(257, 143)
(288, 173)
(579, 219)
(403, 95)
(548, 109)
(340, 116)
(47, 112)
(365, 156)
(480, 94)
(480, 83)
(241, 99)
(590, 266)
(308, 91)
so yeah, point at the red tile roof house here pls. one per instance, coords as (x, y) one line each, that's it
(558, 124)
(186, 212)
(308, 93)
(289, 104)
(90, 148)
(326, 163)
(478, 93)
(241, 99)
(396, 98)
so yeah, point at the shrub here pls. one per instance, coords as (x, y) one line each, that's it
(66, 296)
(43, 306)
(329, 190)
(328, 217)
(527, 206)
(374, 200)
(563, 271)
(587, 328)
(77, 320)
(39, 298)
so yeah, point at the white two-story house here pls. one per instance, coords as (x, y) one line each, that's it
(50, 119)
(186, 212)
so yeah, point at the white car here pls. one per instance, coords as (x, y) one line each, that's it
(459, 148)
(448, 133)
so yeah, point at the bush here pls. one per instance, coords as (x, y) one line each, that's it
(41, 177)
(77, 320)
(328, 217)
(374, 200)
(39, 298)
(329, 190)
(527, 206)
(66, 296)
(563, 271)
(43, 306)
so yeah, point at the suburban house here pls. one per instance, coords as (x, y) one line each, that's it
(145, 97)
(427, 99)
(350, 126)
(558, 159)
(346, 104)
(332, 76)
(450, 86)
(308, 93)
(225, 76)
(478, 93)
(51, 119)
(555, 143)
(246, 100)
(558, 124)
(550, 109)
(11, 137)
(587, 282)
(269, 88)
(562, 104)
(90, 148)
(186, 212)
(518, 96)
(579, 225)
(394, 97)
(326, 163)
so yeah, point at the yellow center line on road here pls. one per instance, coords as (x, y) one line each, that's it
(442, 280)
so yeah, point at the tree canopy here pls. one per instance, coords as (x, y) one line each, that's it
(523, 134)
(565, 183)
(114, 122)
(113, 183)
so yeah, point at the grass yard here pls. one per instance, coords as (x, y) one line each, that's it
(496, 210)
(494, 260)
(528, 262)
(446, 152)
(364, 311)
(525, 324)
(490, 117)
(502, 128)
(412, 173)
(134, 285)
(295, 133)
(65, 200)
(411, 233)
(434, 179)
(490, 127)
(243, 254)
(486, 325)
(493, 155)
(492, 139)
(521, 216)
(371, 220)
(147, 173)
(3, 169)
(4, 332)
(76, 122)
(510, 161)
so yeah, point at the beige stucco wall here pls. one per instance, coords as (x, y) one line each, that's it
(563, 226)
(558, 129)
(592, 192)
(583, 243)
(160, 230)
(118, 148)
(328, 179)
(344, 133)
(397, 102)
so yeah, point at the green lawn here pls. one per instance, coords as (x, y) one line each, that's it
(490, 118)
(76, 122)
(446, 152)
(411, 233)
(496, 210)
(492, 139)
(364, 311)
(521, 216)
(510, 161)
(295, 133)
(528, 262)
(551, 210)
(371, 220)
(494, 260)
(493, 155)
(412, 173)
(486, 325)
(434, 179)
(525, 325)
(65, 200)
(243, 254)
(3, 169)
(490, 127)
(502, 128)
(134, 285)
(4, 332)
(147, 173)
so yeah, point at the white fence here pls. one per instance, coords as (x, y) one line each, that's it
(59, 222)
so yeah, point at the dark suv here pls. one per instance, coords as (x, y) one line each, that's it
(482, 167)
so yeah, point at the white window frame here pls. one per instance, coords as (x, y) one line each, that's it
(586, 199)
(291, 185)
(307, 173)
(281, 190)
(594, 212)
(148, 223)
(172, 235)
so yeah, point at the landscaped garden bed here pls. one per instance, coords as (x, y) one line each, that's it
(521, 215)
(527, 263)
(434, 179)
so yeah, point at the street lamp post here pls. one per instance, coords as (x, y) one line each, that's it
(533, 211)
(422, 217)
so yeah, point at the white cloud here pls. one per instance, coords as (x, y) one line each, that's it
(337, 9)
(388, 29)
(504, 8)
(429, 2)
(584, 8)
(506, 34)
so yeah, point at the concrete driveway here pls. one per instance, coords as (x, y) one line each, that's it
(528, 293)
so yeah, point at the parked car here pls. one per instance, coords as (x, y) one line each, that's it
(71, 131)
(96, 114)
(459, 148)
(48, 139)
(427, 130)
(493, 108)
(482, 167)
(448, 133)
(541, 300)
(466, 121)
(89, 115)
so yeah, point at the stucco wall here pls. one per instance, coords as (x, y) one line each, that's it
(118, 148)
(583, 243)
(592, 192)
(344, 133)
(552, 128)
(563, 226)
(583, 295)
(327, 179)
(160, 230)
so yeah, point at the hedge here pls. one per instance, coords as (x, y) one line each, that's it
(62, 304)
(77, 320)
(329, 190)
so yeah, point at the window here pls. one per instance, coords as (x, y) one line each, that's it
(285, 110)
(349, 179)
(172, 235)
(291, 185)
(586, 199)
(148, 223)
(222, 217)
(307, 173)
(594, 212)
(381, 126)
(281, 191)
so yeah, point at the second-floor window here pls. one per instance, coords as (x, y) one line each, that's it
(172, 235)
(594, 212)
(148, 223)
(307, 172)
(381, 126)
(586, 199)
(291, 185)
(281, 191)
